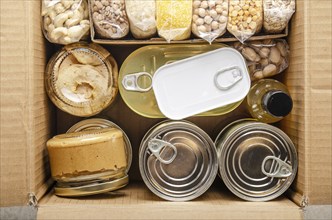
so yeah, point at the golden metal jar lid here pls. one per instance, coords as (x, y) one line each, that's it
(91, 188)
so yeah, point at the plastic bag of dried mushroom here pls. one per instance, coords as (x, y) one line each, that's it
(245, 18)
(65, 21)
(264, 58)
(277, 14)
(109, 18)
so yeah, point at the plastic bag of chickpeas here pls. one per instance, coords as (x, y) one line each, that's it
(245, 18)
(209, 18)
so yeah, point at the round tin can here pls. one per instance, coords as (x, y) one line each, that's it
(257, 161)
(100, 157)
(177, 160)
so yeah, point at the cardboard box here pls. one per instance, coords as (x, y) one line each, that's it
(28, 120)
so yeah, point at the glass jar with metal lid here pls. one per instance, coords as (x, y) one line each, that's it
(177, 160)
(82, 79)
(91, 161)
(257, 161)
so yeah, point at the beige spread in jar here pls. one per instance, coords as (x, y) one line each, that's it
(87, 152)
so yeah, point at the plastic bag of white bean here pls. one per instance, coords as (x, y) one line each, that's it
(264, 58)
(109, 18)
(277, 14)
(245, 18)
(65, 21)
(142, 17)
(209, 18)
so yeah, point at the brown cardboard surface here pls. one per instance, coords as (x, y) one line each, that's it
(25, 112)
(137, 202)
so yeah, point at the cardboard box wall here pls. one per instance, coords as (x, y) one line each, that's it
(28, 120)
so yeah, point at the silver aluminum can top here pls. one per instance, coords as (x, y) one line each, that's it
(177, 160)
(257, 161)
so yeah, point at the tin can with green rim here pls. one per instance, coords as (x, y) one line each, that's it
(257, 161)
(177, 160)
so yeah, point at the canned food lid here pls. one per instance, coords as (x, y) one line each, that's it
(178, 162)
(97, 187)
(98, 123)
(187, 87)
(258, 162)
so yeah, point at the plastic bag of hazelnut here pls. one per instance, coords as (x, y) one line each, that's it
(109, 18)
(65, 21)
(264, 58)
(209, 18)
(277, 14)
(245, 18)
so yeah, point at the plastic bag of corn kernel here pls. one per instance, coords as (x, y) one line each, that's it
(264, 58)
(245, 18)
(174, 19)
(277, 14)
(209, 18)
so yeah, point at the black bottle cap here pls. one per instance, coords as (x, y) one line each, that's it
(277, 103)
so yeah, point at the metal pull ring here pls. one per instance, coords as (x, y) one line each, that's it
(236, 75)
(156, 145)
(130, 82)
(281, 170)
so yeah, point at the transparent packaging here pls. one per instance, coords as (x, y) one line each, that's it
(81, 79)
(209, 18)
(142, 18)
(265, 58)
(245, 18)
(269, 101)
(109, 18)
(174, 19)
(65, 21)
(277, 14)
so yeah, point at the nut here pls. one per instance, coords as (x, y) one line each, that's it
(269, 70)
(249, 54)
(275, 55)
(61, 21)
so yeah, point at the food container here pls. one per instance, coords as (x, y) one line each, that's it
(100, 123)
(141, 66)
(88, 162)
(81, 79)
(257, 161)
(177, 160)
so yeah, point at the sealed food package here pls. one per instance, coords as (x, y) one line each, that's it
(174, 19)
(277, 14)
(245, 18)
(209, 18)
(65, 21)
(142, 17)
(109, 18)
(264, 58)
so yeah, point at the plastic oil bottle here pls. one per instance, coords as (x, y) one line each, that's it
(269, 101)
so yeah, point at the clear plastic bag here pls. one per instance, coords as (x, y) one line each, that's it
(142, 17)
(209, 18)
(109, 18)
(65, 21)
(264, 58)
(277, 14)
(245, 18)
(174, 19)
